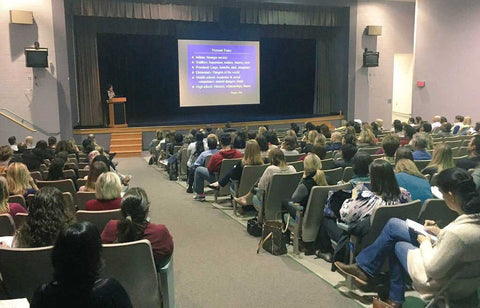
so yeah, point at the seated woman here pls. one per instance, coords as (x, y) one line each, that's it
(289, 145)
(19, 180)
(251, 157)
(124, 179)
(136, 225)
(409, 177)
(360, 167)
(429, 266)
(6, 207)
(55, 171)
(77, 260)
(95, 171)
(107, 193)
(6, 153)
(384, 190)
(366, 138)
(277, 165)
(442, 159)
(47, 216)
(312, 176)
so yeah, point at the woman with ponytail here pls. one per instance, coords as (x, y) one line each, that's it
(429, 265)
(136, 225)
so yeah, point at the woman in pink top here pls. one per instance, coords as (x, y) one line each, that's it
(107, 192)
(5, 207)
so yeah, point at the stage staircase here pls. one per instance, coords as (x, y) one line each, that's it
(126, 144)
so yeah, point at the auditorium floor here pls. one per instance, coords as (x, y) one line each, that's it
(215, 259)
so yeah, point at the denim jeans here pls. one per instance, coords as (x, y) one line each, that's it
(393, 243)
(202, 174)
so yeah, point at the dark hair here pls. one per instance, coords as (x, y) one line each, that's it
(411, 120)
(427, 127)
(87, 146)
(41, 144)
(348, 151)
(212, 143)
(76, 259)
(228, 125)
(459, 118)
(476, 142)
(252, 134)
(262, 143)
(239, 143)
(403, 152)
(383, 181)
(390, 144)
(62, 146)
(397, 126)
(418, 119)
(309, 126)
(178, 137)
(55, 171)
(443, 120)
(477, 126)
(208, 128)
(12, 140)
(320, 151)
(290, 143)
(199, 146)
(102, 158)
(360, 163)
(52, 141)
(409, 131)
(135, 205)
(350, 139)
(294, 127)
(96, 169)
(325, 130)
(47, 215)
(460, 183)
(447, 127)
(225, 139)
(276, 157)
(357, 127)
(271, 137)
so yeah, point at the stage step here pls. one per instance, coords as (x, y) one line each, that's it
(126, 144)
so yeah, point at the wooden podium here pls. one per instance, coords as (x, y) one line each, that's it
(117, 112)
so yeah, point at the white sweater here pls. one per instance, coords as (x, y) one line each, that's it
(458, 247)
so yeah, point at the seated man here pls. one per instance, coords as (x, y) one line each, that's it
(390, 144)
(348, 152)
(473, 160)
(420, 143)
(336, 142)
(208, 173)
(200, 161)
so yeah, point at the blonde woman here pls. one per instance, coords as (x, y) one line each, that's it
(5, 207)
(251, 157)
(309, 141)
(107, 192)
(312, 176)
(409, 177)
(321, 140)
(366, 138)
(19, 180)
(442, 159)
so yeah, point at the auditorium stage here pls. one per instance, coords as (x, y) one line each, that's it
(129, 141)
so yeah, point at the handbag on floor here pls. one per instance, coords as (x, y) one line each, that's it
(273, 240)
(254, 228)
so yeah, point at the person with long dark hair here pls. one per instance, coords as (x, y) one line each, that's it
(77, 260)
(47, 215)
(429, 265)
(136, 225)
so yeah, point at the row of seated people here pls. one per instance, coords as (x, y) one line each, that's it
(375, 183)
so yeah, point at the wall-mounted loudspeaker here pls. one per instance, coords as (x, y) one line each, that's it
(374, 30)
(21, 17)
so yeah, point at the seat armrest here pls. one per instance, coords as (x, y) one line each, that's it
(296, 207)
(344, 226)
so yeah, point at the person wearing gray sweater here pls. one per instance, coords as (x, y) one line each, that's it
(429, 265)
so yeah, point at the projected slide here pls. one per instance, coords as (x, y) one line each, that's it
(213, 73)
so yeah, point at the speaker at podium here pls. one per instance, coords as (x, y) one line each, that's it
(117, 112)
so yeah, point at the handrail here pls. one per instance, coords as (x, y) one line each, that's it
(18, 122)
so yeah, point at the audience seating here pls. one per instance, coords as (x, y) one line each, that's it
(250, 176)
(83, 197)
(82, 173)
(82, 165)
(421, 164)
(70, 173)
(36, 175)
(309, 219)
(298, 165)
(456, 159)
(462, 151)
(167, 284)
(227, 165)
(133, 266)
(99, 218)
(347, 174)
(333, 176)
(7, 225)
(438, 211)
(454, 143)
(182, 169)
(327, 164)
(292, 157)
(25, 269)
(69, 203)
(328, 155)
(69, 165)
(369, 150)
(376, 156)
(281, 187)
(64, 186)
(80, 182)
(19, 220)
(18, 199)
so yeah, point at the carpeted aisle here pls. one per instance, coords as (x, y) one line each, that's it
(216, 264)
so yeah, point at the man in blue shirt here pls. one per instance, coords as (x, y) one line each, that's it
(420, 143)
(200, 161)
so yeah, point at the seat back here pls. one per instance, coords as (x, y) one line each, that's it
(454, 143)
(457, 159)
(250, 176)
(313, 213)
(347, 174)
(462, 151)
(369, 150)
(82, 173)
(17, 199)
(298, 165)
(80, 183)
(68, 200)
(99, 218)
(383, 214)
(25, 269)
(7, 225)
(63, 185)
(227, 165)
(328, 155)
(281, 187)
(437, 210)
(36, 175)
(83, 197)
(70, 173)
(327, 164)
(82, 165)
(133, 266)
(292, 157)
(333, 175)
(421, 164)
(20, 220)
(182, 170)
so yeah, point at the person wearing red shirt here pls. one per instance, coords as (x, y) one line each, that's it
(208, 174)
(136, 225)
(107, 193)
